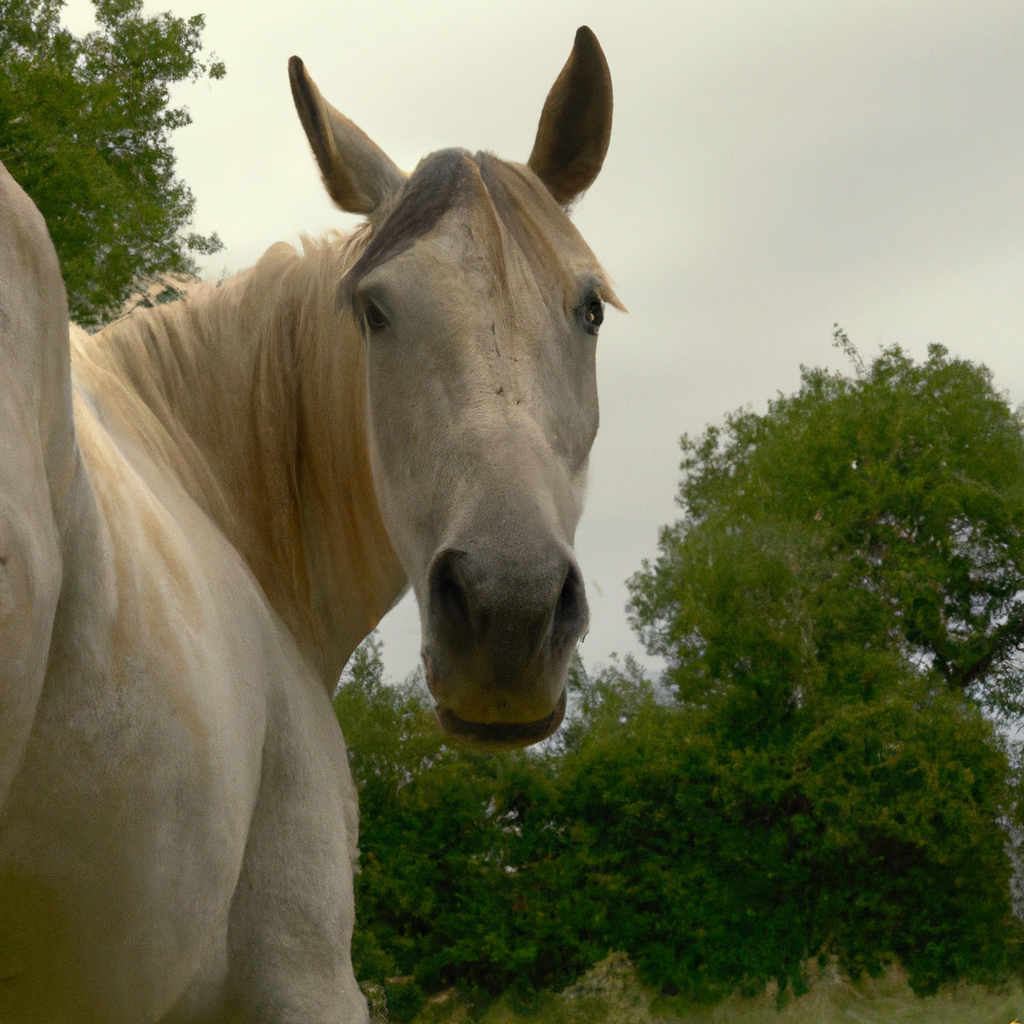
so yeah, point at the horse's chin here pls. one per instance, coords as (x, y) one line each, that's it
(499, 735)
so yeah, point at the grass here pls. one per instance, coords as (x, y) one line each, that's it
(611, 993)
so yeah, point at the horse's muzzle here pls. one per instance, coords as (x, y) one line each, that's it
(499, 634)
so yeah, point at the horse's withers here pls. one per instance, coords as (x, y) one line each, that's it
(480, 305)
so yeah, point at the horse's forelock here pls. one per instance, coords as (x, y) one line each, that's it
(448, 179)
(435, 187)
(531, 217)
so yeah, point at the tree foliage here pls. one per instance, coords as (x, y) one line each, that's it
(863, 531)
(85, 127)
(463, 855)
(715, 867)
(840, 599)
(871, 837)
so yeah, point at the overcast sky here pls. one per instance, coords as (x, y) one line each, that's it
(774, 167)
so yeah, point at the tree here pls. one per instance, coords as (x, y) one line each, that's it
(718, 864)
(468, 874)
(85, 129)
(865, 529)
(841, 598)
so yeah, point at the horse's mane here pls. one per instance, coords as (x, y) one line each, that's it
(227, 388)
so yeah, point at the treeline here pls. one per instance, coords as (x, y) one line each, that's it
(818, 773)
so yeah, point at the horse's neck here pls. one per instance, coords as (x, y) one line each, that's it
(258, 387)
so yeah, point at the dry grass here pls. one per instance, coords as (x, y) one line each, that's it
(611, 992)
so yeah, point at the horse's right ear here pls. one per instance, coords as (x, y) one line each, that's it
(358, 175)
(576, 122)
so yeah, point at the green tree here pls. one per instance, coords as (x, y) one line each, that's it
(863, 530)
(468, 874)
(716, 865)
(85, 129)
(720, 865)
(841, 598)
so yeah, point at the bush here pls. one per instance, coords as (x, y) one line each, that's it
(405, 1000)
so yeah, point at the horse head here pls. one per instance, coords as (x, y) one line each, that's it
(480, 305)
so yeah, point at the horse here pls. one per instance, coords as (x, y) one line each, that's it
(207, 505)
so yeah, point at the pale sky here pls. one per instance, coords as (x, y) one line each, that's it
(774, 167)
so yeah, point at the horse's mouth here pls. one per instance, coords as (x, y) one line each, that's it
(499, 735)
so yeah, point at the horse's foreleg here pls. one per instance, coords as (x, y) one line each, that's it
(292, 915)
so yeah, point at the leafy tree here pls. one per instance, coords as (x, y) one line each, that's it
(864, 530)
(467, 874)
(85, 129)
(719, 866)
(841, 596)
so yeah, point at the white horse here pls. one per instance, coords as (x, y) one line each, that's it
(205, 511)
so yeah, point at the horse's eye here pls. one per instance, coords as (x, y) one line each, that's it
(593, 315)
(375, 319)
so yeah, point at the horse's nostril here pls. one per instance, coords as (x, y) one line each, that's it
(450, 606)
(452, 599)
(571, 613)
(567, 598)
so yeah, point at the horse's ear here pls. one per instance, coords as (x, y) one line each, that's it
(357, 173)
(576, 122)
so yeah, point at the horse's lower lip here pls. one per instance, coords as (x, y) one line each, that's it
(500, 734)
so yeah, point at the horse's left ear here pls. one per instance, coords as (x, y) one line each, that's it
(357, 173)
(576, 123)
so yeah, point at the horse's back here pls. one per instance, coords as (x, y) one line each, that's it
(37, 461)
